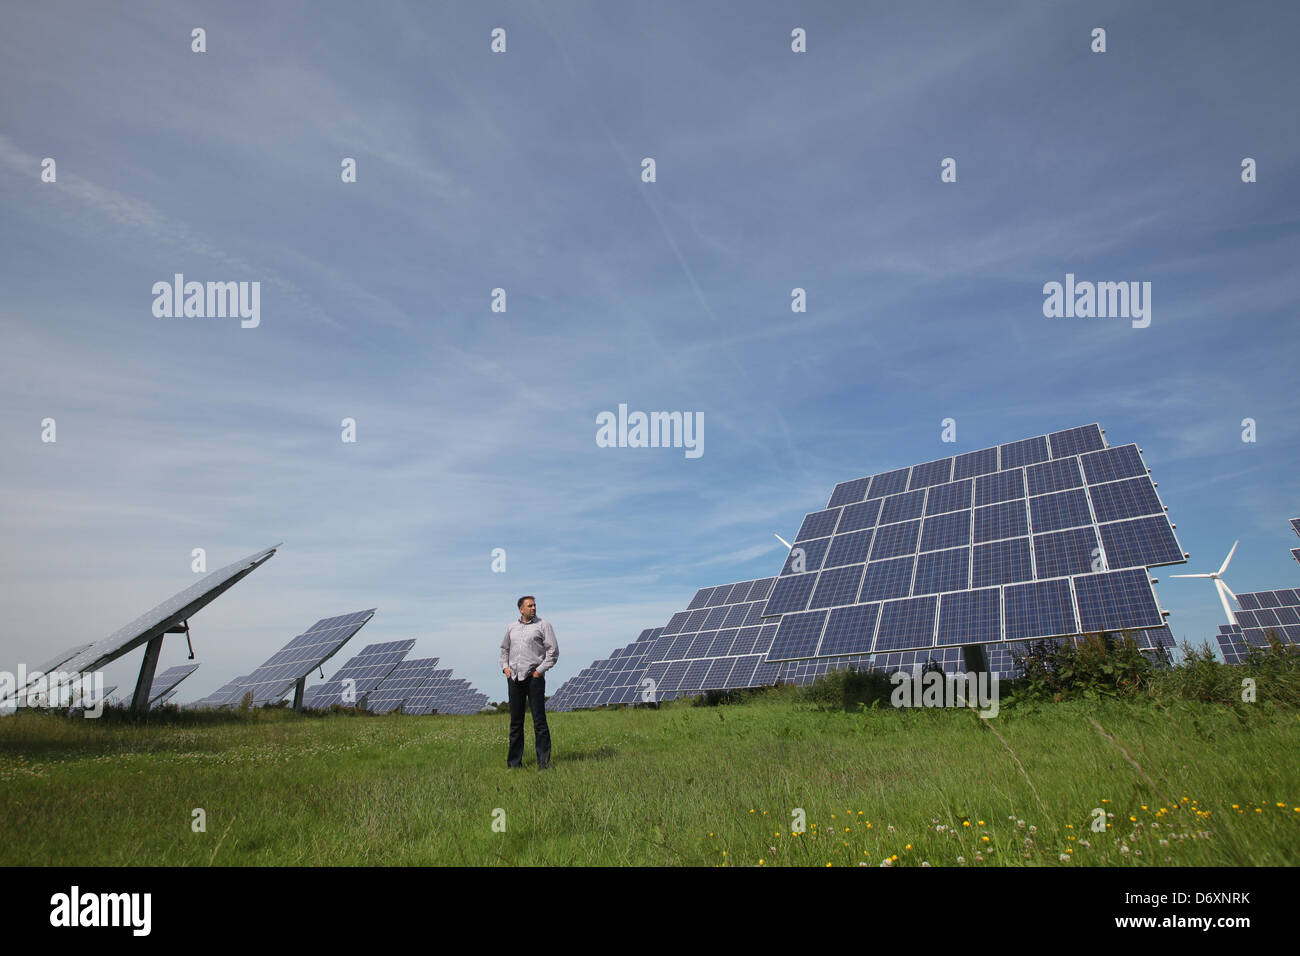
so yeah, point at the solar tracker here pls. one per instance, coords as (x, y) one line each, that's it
(58, 660)
(437, 689)
(1039, 538)
(306, 652)
(1269, 612)
(153, 624)
(227, 694)
(717, 643)
(615, 680)
(401, 683)
(366, 670)
(163, 700)
(165, 684)
(1295, 526)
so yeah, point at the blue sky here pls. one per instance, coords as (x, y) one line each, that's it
(476, 430)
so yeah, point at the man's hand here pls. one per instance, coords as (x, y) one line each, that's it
(508, 674)
(537, 673)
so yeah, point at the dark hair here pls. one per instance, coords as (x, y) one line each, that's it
(526, 597)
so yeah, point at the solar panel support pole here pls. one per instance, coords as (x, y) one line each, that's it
(298, 689)
(143, 684)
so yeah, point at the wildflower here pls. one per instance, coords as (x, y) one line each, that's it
(1033, 829)
(886, 862)
(961, 860)
(1065, 858)
(1133, 819)
(965, 823)
(760, 862)
(985, 839)
(1020, 823)
(908, 847)
(981, 823)
(828, 864)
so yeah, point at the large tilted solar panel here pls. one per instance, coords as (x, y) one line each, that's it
(165, 684)
(806, 671)
(366, 670)
(58, 660)
(225, 695)
(174, 610)
(614, 680)
(1265, 612)
(717, 643)
(401, 684)
(1232, 644)
(302, 655)
(437, 689)
(990, 545)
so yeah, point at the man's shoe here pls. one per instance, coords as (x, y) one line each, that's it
(544, 766)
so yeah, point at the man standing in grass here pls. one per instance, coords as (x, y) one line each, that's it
(527, 653)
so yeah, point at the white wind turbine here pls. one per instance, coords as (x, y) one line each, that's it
(1225, 592)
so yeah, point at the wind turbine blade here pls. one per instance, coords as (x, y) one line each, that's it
(1191, 575)
(1229, 557)
(788, 545)
(1223, 597)
(1229, 590)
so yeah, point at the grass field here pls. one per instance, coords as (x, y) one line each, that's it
(1189, 784)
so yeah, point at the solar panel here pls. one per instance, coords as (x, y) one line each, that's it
(165, 684)
(402, 683)
(365, 671)
(302, 655)
(614, 680)
(1232, 644)
(1043, 537)
(225, 695)
(1266, 613)
(720, 649)
(180, 607)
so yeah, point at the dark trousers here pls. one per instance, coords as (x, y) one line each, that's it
(531, 691)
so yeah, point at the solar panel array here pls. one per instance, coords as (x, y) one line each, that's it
(1039, 538)
(615, 680)
(306, 652)
(165, 684)
(1265, 612)
(366, 670)
(225, 695)
(718, 643)
(445, 696)
(405, 680)
(167, 614)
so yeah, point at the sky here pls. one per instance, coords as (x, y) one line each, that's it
(522, 170)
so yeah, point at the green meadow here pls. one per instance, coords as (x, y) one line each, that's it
(1172, 783)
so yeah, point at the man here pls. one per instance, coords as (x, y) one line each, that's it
(527, 653)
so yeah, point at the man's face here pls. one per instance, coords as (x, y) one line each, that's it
(528, 609)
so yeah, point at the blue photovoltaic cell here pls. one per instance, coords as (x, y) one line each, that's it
(970, 617)
(1024, 452)
(1038, 609)
(790, 594)
(1076, 441)
(761, 589)
(813, 552)
(699, 645)
(719, 595)
(999, 486)
(1247, 601)
(720, 646)
(745, 673)
(849, 492)
(907, 623)
(1145, 542)
(862, 515)
(1112, 601)
(974, 463)
(755, 615)
(1056, 475)
(1005, 520)
(887, 579)
(893, 540)
(942, 571)
(837, 586)
(903, 507)
(696, 620)
(1065, 552)
(1295, 525)
(1125, 499)
(1001, 562)
(1113, 464)
(746, 637)
(890, 483)
(797, 635)
(739, 592)
(1065, 509)
(818, 524)
(849, 548)
(1232, 644)
(849, 630)
(950, 530)
(931, 473)
(1295, 553)
(954, 496)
